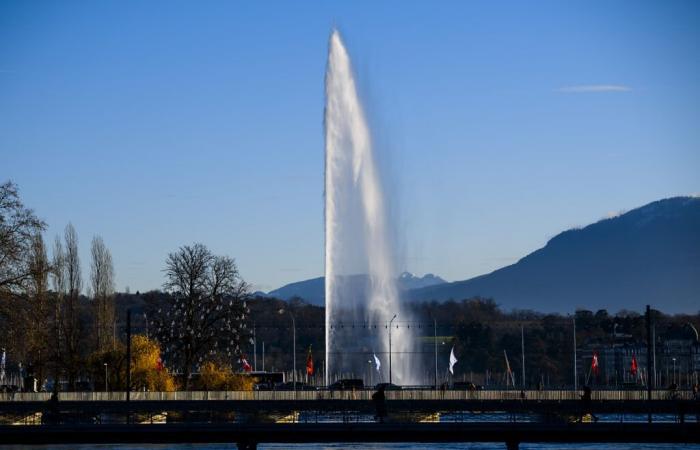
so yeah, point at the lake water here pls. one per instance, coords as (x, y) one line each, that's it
(370, 446)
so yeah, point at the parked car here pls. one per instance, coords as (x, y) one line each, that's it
(347, 384)
(466, 386)
(289, 386)
(388, 387)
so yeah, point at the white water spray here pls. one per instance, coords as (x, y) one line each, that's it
(361, 292)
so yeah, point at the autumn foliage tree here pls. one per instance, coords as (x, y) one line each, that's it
(220, 377)
(147, 370)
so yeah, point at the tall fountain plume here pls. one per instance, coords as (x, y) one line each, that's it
(361, 292)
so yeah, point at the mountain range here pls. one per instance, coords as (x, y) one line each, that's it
(313, 290)
(649, 255)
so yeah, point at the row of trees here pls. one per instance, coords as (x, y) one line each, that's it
(47, 323)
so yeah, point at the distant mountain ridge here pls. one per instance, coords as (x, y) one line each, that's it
(313, 290)
(649, 255)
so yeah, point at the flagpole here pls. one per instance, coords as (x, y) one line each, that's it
(590, 368)
(390, 322)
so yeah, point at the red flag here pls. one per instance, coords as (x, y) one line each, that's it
(633, 366)
(245, 364)
(309, 363)
(159, 364)
(594, 363)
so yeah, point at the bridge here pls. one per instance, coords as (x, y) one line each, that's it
(252, 417)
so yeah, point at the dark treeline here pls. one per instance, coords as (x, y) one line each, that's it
(477, 328)
(481, 332)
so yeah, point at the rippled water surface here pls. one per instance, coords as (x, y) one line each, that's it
(370, 446)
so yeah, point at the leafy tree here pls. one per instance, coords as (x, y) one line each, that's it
(147, 371)
(220, 377)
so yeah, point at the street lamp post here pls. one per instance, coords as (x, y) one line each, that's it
(390, 322)
(522, 351)
(575, 369)
(294, 349)
(674, 370)
(106, 377)
(435, 345)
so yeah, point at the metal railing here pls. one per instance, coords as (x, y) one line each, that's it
(364, 394)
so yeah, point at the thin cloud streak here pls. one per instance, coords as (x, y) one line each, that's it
(586, 88)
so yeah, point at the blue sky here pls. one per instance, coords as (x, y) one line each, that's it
(498, 124)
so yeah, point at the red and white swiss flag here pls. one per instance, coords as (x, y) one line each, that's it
(594, 363)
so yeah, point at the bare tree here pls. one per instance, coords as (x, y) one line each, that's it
(205, 318)
(38, 312)
(72, 262)
(67, 282)
(102, 284)
(18, 226)
(58, 282)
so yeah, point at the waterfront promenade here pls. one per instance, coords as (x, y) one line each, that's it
(414, 415)
(360, 394)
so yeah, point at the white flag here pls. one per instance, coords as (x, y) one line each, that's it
(377, 363)
(2, 367)
(453, 359)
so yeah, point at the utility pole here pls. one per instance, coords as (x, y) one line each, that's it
(263, 355)
(390, 322)
(255, 351)
(522, 350)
